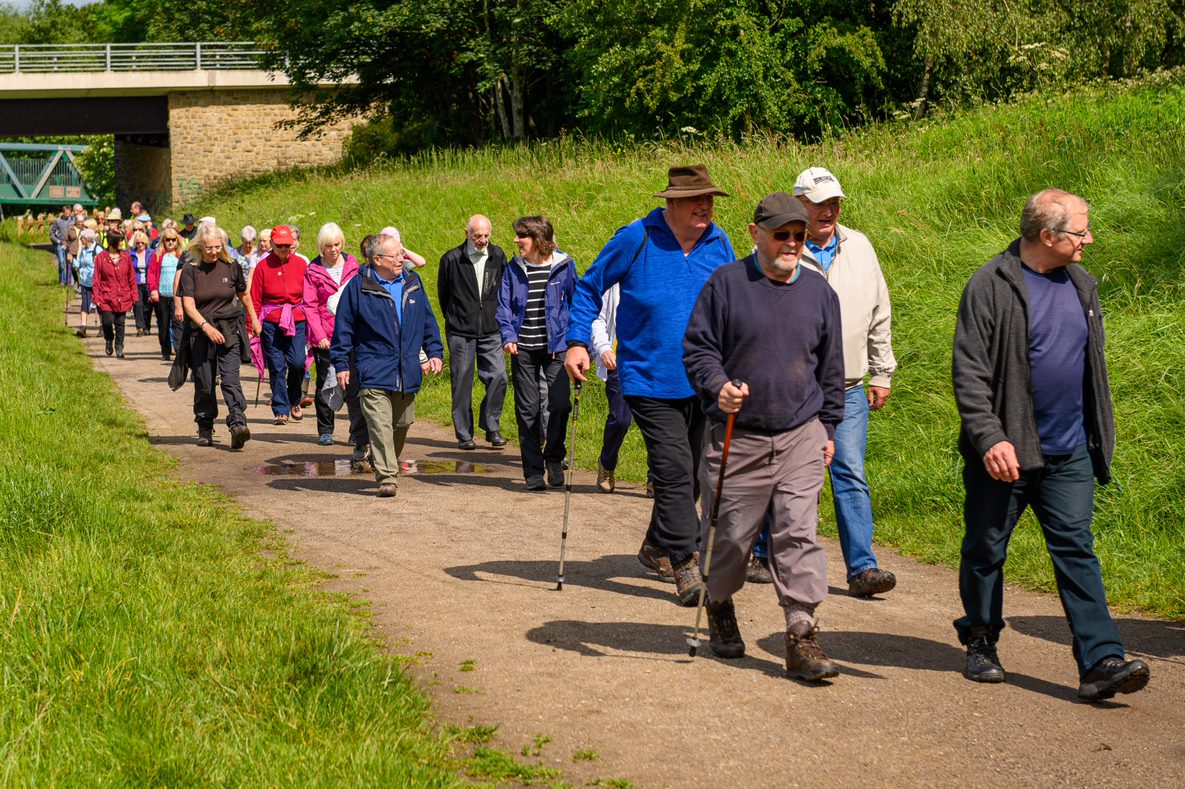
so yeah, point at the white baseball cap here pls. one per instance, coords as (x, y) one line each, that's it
(818, 184)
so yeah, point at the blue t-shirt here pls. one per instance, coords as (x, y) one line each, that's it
(1057, 356)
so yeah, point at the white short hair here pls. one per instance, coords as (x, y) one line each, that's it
(247, 233)
(329, 233)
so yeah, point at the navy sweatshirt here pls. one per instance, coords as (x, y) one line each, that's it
(784, 340)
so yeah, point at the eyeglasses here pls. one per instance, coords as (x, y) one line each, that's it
(785, 235)
(390, 257)
(1075, 233)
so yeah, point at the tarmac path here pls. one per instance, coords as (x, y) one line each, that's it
(460, 569)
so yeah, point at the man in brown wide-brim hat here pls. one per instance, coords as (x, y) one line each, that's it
(661, 263)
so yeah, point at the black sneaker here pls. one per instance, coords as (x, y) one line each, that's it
(1113, 675)
(119, 352)
(555, 475)
(468, 444)
(758, 572)
(983, 664)
(239, 435)
(108, 347)
(205, 436)
(725, 638)
(536, 482)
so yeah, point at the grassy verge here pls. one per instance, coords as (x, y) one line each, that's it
(938, 200)
(145, 640)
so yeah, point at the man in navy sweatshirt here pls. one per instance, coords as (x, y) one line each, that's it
(774, 326)
(662, 261)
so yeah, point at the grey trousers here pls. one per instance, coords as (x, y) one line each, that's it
(781, 473)
(464, 353)
(389, 415)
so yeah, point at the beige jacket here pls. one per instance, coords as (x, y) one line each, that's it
(855, 276)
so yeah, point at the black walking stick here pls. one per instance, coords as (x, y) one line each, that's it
(693, 641)
(559, 586)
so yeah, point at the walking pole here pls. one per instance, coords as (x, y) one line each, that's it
(559, 586)
(66, 309)
(693, 641)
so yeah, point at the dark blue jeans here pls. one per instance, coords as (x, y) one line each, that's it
(1062, 497)
(617, 423)
(285, 365)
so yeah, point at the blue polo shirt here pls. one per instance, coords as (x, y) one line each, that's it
(825, 256)
(395, 288)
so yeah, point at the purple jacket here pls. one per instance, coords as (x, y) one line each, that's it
(318, 287)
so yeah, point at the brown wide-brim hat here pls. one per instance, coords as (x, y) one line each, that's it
(690, 181)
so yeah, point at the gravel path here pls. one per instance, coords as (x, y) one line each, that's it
(460, 570)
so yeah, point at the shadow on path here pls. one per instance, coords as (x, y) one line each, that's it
(1164, 640)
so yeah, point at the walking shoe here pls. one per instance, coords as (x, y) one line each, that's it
(360, 459)
(388, 490)
(239, 434)
(651, 556)
(467, 444)
(688, 581)
(306, 401)
(536, 482)
(496, 439)
(165, 356)
(805, 659)
(555, 475)
(872, 581)
(280, 419)
(649, 488)
(109, 348)
(205, 436)
(1113, 675)
(297, 413)
(758, 572)
(606, 481)
(80, 332)
(725, 635)
(325, 439)
(983, 664)
(119, 352)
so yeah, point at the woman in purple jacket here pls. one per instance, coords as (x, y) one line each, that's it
(325, 276)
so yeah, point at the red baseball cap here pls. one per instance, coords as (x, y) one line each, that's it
(282, 234)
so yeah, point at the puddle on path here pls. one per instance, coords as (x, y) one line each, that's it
(343, 468)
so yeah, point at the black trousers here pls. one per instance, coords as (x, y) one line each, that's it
(113, 323)
(142, 308)
(530, 369)
(207, 361)
(359, 435)
(674, 434)
(168, 328)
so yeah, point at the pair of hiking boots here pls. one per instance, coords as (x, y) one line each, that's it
(805, 658)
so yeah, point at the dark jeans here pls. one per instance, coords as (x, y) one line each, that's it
(530, 369)
(285, 365)
(208, 360)
(142, 309)
(464, 353)
(168, 328)
(1062, 497)
(674, 434)
(325, 415)
(617, 422)
(113, 323)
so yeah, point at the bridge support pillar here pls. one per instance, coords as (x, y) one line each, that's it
(144, 173)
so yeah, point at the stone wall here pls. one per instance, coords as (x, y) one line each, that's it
(216, 136)
(144, 173)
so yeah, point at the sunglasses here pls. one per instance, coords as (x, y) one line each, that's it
(785, 235)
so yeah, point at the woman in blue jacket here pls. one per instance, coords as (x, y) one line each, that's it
(532, 317)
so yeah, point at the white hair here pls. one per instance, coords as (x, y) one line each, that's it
(247, 233)
(329, 233)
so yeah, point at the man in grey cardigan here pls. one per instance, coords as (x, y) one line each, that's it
(1031, 383)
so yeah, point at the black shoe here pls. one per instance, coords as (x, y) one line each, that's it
(725, 635)
(109, 347)
(467, 444)
(758, 572)
(535, 482)
(555, 475)
(239, 435)
(119, 353)
(1113, 675)
(166, 356)
(983, 664)
(205, 436)
(496, 439)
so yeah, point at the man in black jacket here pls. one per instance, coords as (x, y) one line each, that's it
(1031, 383)
(467, 289)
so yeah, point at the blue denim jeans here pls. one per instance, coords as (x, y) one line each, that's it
(285, 365)
(1062, 497)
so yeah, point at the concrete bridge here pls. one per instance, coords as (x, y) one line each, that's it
(186, 116)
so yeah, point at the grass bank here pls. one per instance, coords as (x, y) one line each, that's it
(146, 639)
(938, 200)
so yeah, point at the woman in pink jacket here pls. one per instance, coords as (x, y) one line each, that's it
(324, 276)
(115, 290)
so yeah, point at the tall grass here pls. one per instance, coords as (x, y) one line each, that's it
(938, 200)
(145, 639)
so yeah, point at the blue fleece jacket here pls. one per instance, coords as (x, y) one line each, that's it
(659, 286)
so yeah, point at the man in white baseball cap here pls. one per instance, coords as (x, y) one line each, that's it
(846, 258)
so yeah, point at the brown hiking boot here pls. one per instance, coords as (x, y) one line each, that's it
(688, 581)
(606, 480)
(652, 556)
(725, 634)
(388, 490)
(758, 571)
(872, 581)
(805, 659)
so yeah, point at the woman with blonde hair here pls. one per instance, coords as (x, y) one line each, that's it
(162, 274)
(142, 308)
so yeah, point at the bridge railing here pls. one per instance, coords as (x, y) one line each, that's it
(78, 58)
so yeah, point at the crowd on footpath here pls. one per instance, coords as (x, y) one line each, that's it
(769, 365)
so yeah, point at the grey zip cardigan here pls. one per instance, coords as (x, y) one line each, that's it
(991, 370)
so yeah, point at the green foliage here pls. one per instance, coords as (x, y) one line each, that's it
(97, 164)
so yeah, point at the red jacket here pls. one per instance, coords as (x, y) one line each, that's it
(273, 282)
(115, 282)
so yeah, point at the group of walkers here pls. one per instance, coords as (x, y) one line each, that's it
(749, 379)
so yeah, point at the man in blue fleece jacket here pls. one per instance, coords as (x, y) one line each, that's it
(773, 327)
(661, 262)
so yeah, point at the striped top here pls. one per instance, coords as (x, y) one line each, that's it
(533, 334)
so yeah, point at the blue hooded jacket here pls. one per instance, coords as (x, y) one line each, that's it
(512, 301)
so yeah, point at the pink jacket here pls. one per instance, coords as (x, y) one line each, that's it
(318, 287)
